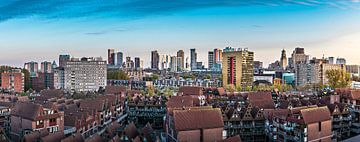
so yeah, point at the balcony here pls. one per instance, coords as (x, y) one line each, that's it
(39, 126)
(52, 123)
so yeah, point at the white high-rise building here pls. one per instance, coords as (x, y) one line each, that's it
(85, 74)
(173, 63)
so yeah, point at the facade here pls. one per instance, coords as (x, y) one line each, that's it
(217, 56)
(164, 61)
(173, 64)
(341, 61)
(32, 67)
(193, 59)
(301, 124)
(43, 81)
(181, 60)
(111, 56)
(27, 118)
(147, 110)
(298, 56)
(341, 120)
(211, 60)
(63, 59)
(353, 70)
(59, 78)
(331, 60)
(13, 80)
(85, 74)
(155, 59)
(237, 67)
(46, 67)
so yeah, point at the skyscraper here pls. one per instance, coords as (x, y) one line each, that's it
(46, 67)
(298, 56)
(181, 60)
(283, 59)
(63, 59)
(193, 59)
(217, 56)
(154, 60)
(119, 58)
(137, 63)
(111, 56)
(237, 67)
(210, 60)
(32, 67)
(173, 64)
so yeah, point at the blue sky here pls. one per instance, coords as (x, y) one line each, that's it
(41, 30)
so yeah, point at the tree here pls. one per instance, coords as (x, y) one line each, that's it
(117, 75)
(155, 77)
(230, 88)
(338, 78)
(151, 91)
(248, 88)
(207, 76)
(238, 88)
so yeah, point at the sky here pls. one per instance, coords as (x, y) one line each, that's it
(38, 30)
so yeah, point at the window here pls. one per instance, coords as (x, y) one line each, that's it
(319, 126)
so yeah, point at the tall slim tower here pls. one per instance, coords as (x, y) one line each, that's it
(283, 59)
(210, 60)
(238, 67)
(193, 59)
(181, 60)
(111, 56)
(154, 60)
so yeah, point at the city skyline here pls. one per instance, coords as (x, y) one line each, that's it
(138, 27)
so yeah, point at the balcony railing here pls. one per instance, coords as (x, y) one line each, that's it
(52, 123)
(39, 126)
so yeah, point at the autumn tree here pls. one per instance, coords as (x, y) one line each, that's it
(338, 78)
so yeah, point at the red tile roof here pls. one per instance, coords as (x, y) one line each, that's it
(26, 110)
(197, 119)
(317, 114)
(180, 102)
(261, 99)
(190, 90)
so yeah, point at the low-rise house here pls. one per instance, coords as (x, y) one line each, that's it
(312, 124)
(27, 117)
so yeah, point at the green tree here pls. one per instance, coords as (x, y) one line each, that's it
(155, 77)
(117, 75)
(151, 91)
(338, 78)
(248, 88)
(207, 76)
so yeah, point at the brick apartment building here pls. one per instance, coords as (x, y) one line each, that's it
(13, 80)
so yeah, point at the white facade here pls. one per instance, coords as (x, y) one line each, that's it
(85, 74)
